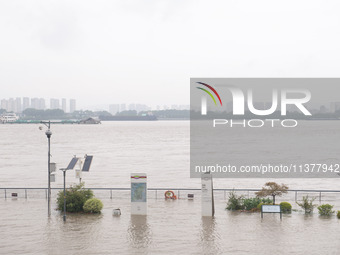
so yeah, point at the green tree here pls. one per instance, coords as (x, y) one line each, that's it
(31, 113)
(102, 113)
(272, 189)
(127, 113)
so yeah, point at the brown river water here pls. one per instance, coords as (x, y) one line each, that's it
(160, 149)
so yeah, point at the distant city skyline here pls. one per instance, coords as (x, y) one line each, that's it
(18, 104)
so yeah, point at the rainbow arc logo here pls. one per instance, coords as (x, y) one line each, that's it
(204, 99)
(209, 93)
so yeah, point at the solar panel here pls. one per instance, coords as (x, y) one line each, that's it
(87, 163)
(72, 163)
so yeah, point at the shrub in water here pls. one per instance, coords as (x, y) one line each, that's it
(338, 214)
(252, 203)
(286, 207)
(325, 210)
(93, 205)
(240, 203)
(76, 196)
(234, 202)
(267, 201)
(307, 204)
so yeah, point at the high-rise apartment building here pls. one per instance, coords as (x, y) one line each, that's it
(63, 104)
(335, 106)
(10, 107)
(132, 107)
(122, 107)
(54, 103)
(35, 103)
(4, 104)
(41, 104)
(142, 107)
(17, 105)
(72, 105)
(25, 103)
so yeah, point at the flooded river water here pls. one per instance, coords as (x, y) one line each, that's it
(160, 149)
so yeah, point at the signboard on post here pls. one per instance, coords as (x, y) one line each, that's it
(78, 173)
(52, 178)
(138, 194)
(53, 167)
(208, 207)
(271, 209)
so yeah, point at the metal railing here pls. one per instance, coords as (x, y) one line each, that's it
(178, 190)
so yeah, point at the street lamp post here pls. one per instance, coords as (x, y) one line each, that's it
(48, 134)
(64, 173)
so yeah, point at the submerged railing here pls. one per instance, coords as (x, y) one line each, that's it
(8, 192)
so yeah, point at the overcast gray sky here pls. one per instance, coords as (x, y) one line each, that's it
(103, 52)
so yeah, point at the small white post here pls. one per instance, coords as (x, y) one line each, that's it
(208, 207)
(78, 171)
(138, 194)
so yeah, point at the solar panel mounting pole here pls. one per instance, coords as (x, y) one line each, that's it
(80, 167)
(64, 173)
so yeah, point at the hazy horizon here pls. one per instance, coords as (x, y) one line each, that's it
(106, 52)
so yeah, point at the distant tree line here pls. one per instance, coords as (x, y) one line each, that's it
(171, 114)
(161, 114)
(35, 114)
(58, 114)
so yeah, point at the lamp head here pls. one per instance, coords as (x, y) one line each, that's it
(48, 133)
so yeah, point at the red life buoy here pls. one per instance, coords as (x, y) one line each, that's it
(169, 194)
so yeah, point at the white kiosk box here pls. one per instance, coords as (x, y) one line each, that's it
(53, 168)
(208, 207)
(271, 209)
(138, 194)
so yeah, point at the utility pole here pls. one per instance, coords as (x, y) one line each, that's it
(48, 133)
